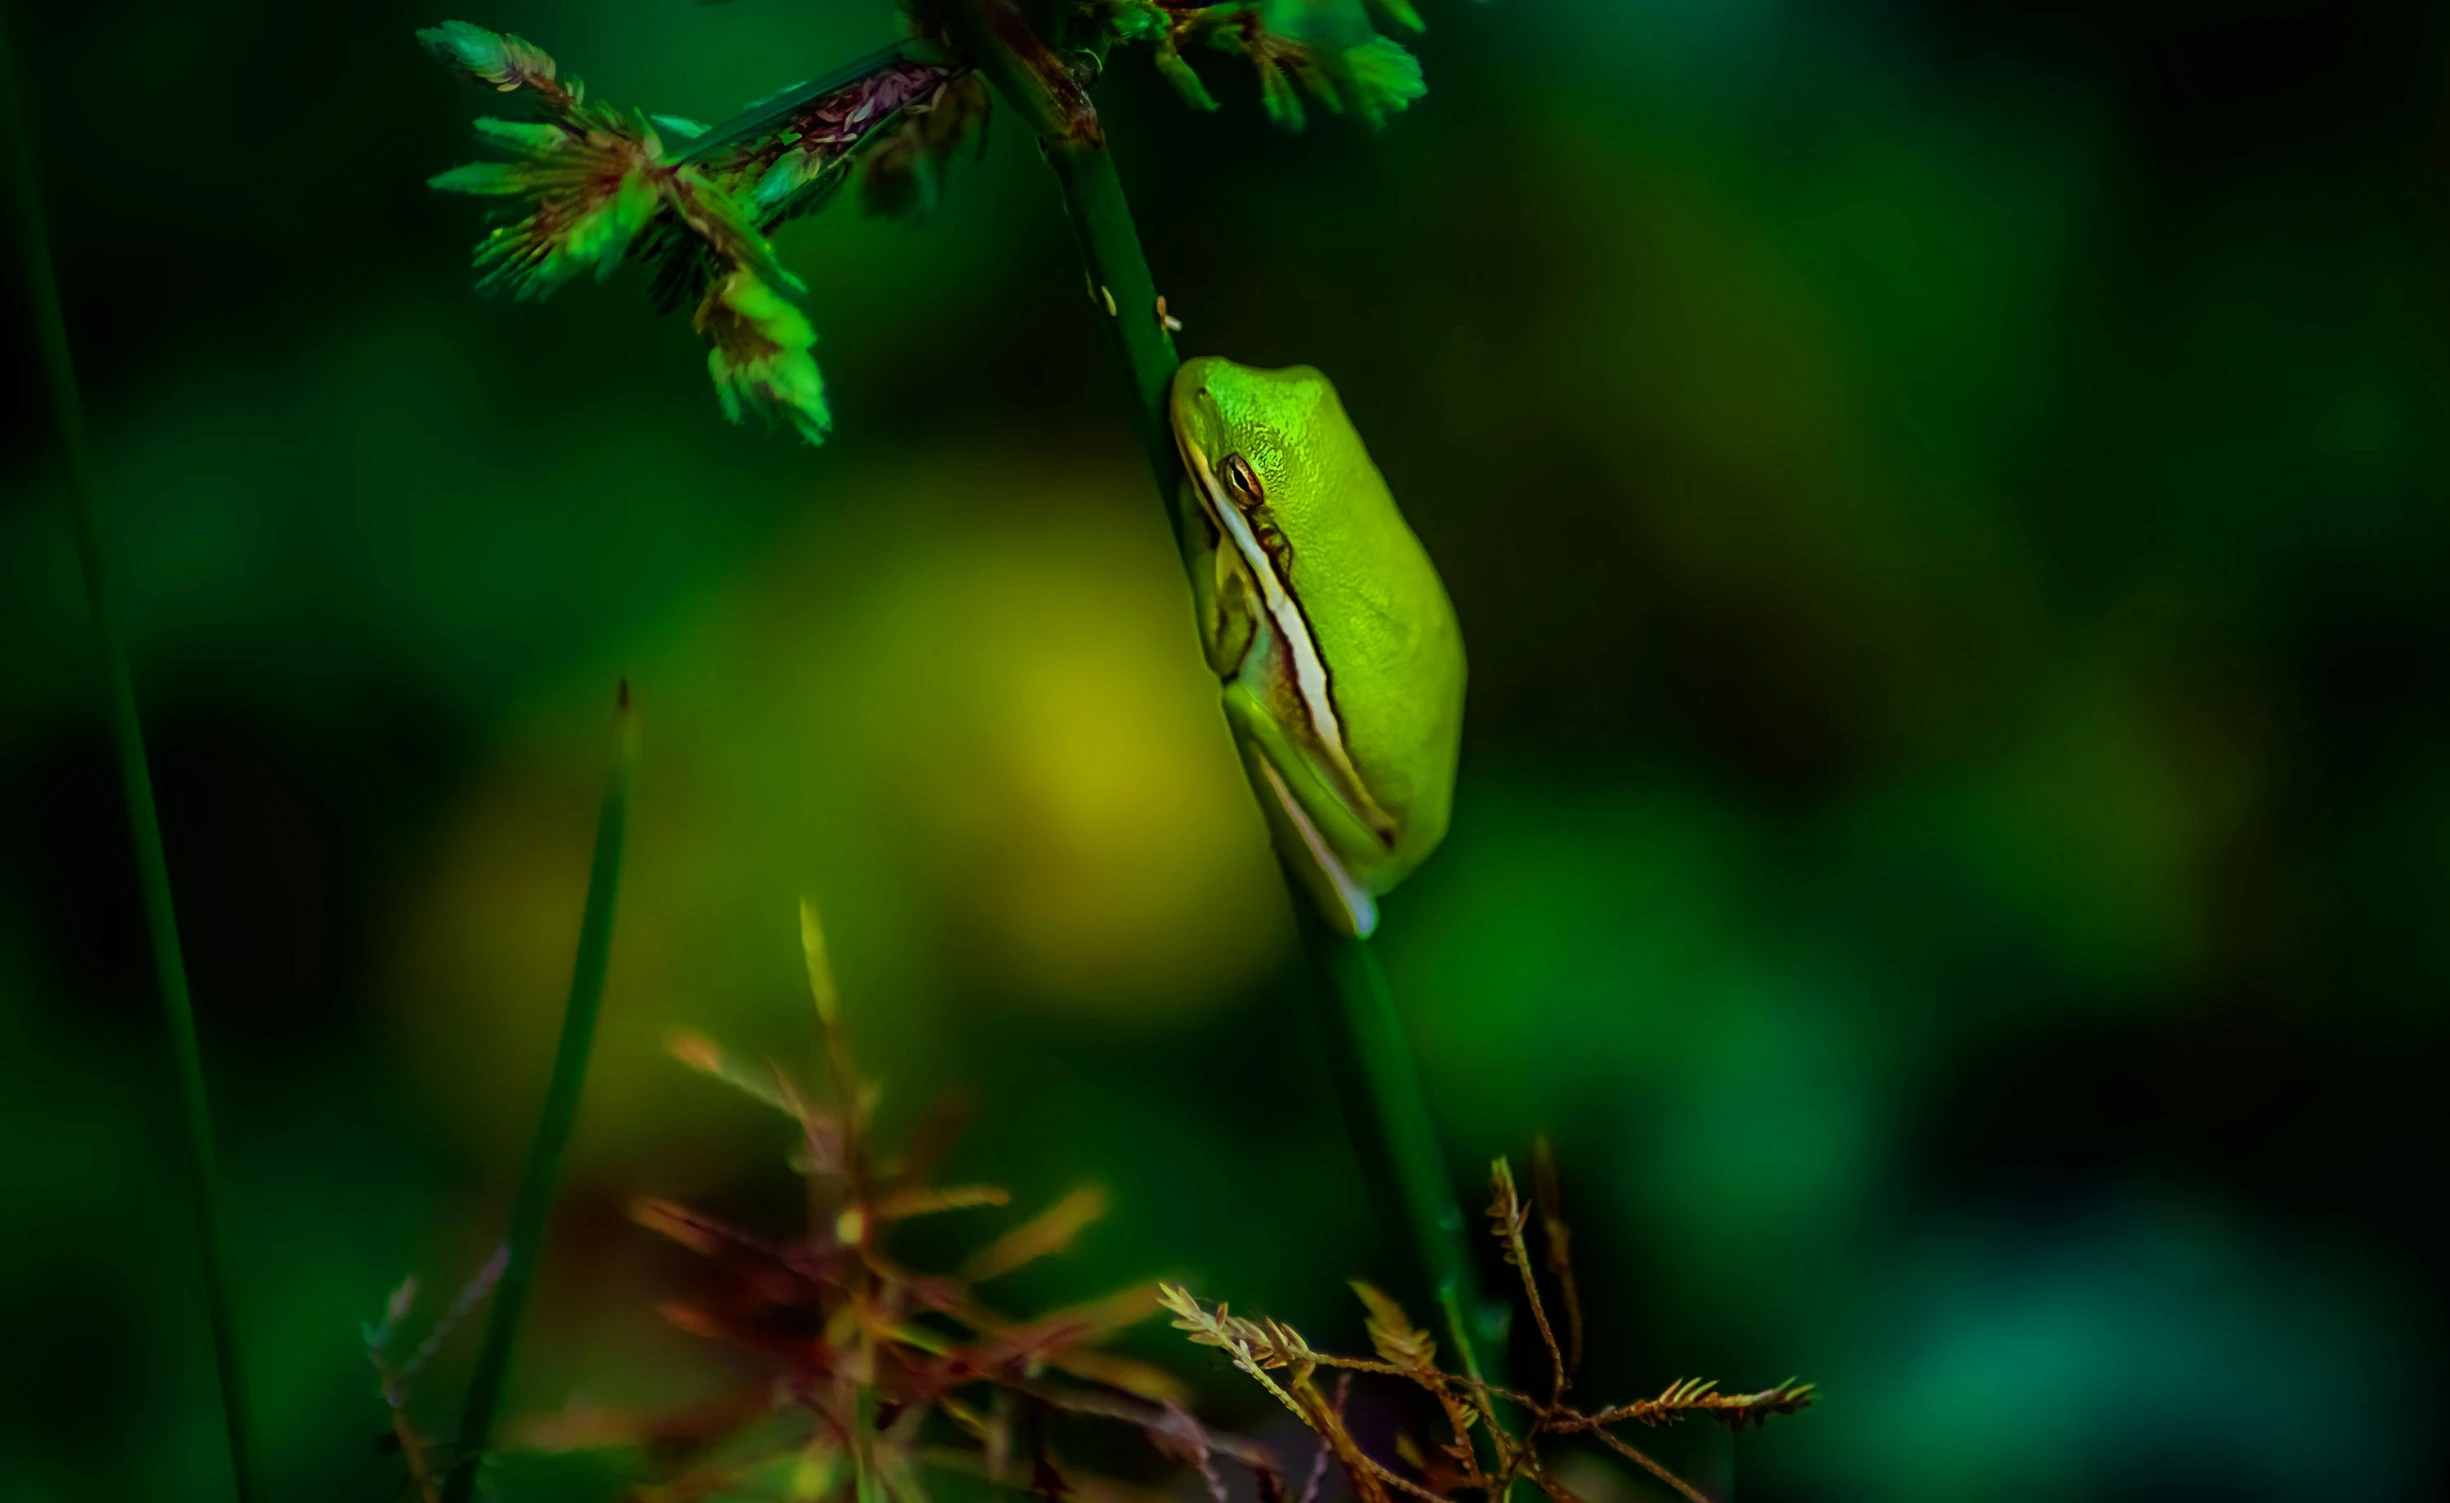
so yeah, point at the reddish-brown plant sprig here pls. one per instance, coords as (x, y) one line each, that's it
(866, 1362)
(394, 1375)
(794, 168)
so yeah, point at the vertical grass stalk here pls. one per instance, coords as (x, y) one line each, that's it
(136, 777)
(1386, 1112)
(561, 1101)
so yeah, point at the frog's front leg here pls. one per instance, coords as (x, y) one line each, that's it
(1309, 822)
(1220, 594)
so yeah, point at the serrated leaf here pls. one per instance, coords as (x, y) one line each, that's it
(501, 59)
(758, 356)
(696, 1230)
(1384, 79)
(1140, 1379)
(1050, 1231)
(527, 137)
(1279, 97)
(1402, 14)
(902, 1205)
(757, 301)
(1393, 1335)
(487, 179)
(1172, 67)
(709, 1058)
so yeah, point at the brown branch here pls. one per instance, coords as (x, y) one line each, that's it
(404, 1430)
(1559, 1238)
(1318, 1463)
(1556, 1490)
(1257, 1346)
(1683, 1489)
(999, 41)
(1160, 1418)
(1507, 1214)
(1695, 1396)
(1350, 1453)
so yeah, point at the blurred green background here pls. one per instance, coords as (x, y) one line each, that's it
(1945, 503)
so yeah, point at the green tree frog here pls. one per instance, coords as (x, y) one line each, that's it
(1338, 650)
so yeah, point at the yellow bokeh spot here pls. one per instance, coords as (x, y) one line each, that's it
(972, 724)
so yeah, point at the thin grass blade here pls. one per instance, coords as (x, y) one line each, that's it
(136, 777)
(561, 1102)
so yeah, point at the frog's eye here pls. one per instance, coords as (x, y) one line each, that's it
(1242, 480)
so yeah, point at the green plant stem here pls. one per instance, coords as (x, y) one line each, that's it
(1387, 1116)
(527, 1226)
(1123, 295)
(136, 777)
(1121, 290)
(1386, 1112)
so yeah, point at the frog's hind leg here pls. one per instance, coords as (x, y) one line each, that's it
(1348, 904)
(1272, 763)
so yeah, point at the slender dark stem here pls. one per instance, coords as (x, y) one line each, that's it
(1123, 296)
(136, 778)
(561, 1101)
(1386, 1112)
(1122, 292)
(1387, 1116)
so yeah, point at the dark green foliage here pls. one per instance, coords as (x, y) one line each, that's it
(590, 193)
(1327, 50)
(757, 353)
(1952, 545)
(507, 62)
(591, 187)
(599, 186)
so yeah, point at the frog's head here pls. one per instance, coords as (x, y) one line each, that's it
(1251, 439)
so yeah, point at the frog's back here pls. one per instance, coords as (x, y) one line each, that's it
(1384, 625)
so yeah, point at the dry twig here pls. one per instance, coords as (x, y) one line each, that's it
(1283, 1362)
